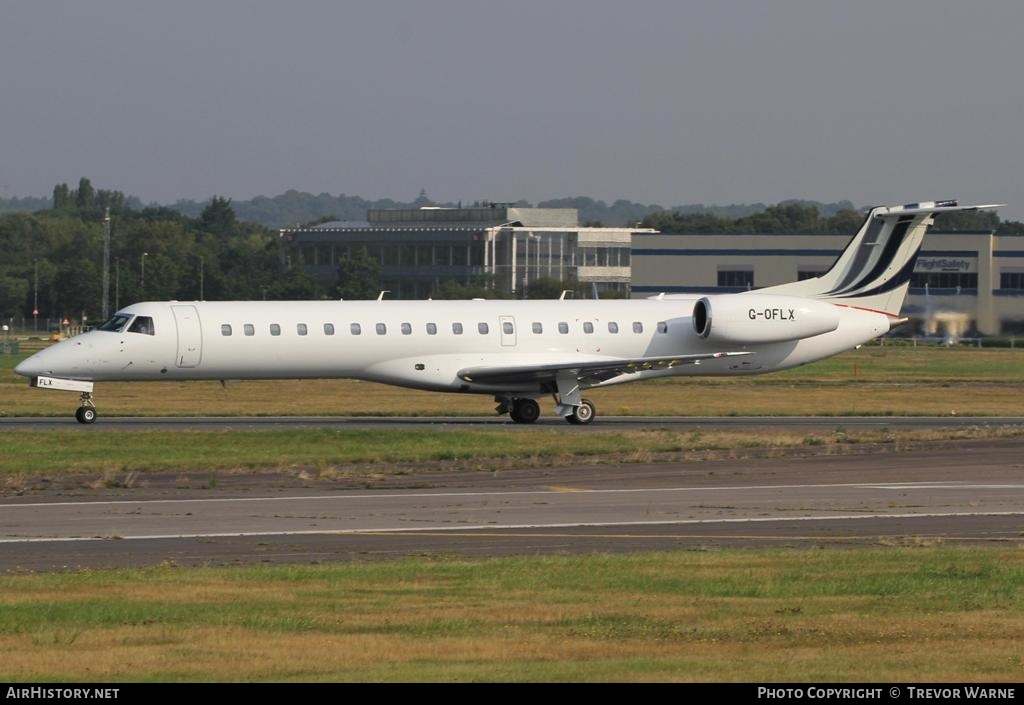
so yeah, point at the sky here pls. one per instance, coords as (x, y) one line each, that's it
(668, 102)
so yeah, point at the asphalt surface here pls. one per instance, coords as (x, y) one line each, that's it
(209, 423)
(954, 492)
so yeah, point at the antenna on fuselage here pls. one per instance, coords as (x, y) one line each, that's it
(381, 296)
(564, 292)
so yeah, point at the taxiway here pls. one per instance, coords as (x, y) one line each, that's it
(969, 491)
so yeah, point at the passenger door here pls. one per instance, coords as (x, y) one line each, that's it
(190, 336)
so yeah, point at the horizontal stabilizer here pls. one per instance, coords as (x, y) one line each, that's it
(934, 207)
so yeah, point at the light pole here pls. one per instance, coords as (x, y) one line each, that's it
(526, 259)
(117, 283)
(106, 265)
(143, 278)
(202, 297)
(35, 298)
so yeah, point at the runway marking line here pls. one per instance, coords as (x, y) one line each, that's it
(400, 493)
(498, 527)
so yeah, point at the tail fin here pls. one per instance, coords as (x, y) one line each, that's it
(874, 270)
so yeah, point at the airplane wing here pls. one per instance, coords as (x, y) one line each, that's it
(584, 370)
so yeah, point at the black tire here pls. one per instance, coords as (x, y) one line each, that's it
(85, 414)
(525, 411)
(582, 414)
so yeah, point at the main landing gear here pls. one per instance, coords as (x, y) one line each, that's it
(526, 410)
(86, 413)
(582, 414)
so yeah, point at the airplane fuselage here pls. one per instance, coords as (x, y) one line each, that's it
(423, 344)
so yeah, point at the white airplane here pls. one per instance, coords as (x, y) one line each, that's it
(517, 351)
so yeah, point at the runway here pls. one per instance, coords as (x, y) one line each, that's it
(212, 423)
(972, 492)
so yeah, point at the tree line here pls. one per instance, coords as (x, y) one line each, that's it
(54, 257)
(297, 207)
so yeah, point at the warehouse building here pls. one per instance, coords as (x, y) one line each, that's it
(505, 245)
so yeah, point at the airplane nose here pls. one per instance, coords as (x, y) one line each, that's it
(50, 361)
(65, 359)
(29, 367)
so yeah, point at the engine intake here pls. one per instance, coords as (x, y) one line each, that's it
(757, 318)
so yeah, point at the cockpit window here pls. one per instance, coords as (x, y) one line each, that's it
(142, 324)
(117, 323)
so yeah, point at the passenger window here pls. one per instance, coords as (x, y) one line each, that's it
(431, 329)
(638, 327)
(406, 329)
(249, 329)
(356, 329)
(563, 327)
(275, 329)
(382, 329)
(328, 329)
(507, 328)
(143, 325)
(301, 328)
(613, 327)
(457, 328)
(483, 328)
(588, 327)
(225, 329)
(662, 327)
(538, 328)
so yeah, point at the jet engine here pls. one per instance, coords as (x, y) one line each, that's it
(762, 318)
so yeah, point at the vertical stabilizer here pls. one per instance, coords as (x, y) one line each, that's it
(874, 270)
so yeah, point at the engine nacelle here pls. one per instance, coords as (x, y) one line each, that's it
(762, 318)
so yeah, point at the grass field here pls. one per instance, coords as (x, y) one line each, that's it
(371, 453)
(871, 381)
(896, 614)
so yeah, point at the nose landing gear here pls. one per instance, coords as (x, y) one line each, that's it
(86, 413)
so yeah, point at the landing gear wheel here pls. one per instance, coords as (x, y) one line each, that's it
(582, 414)
(86, 414)
(525, 411)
